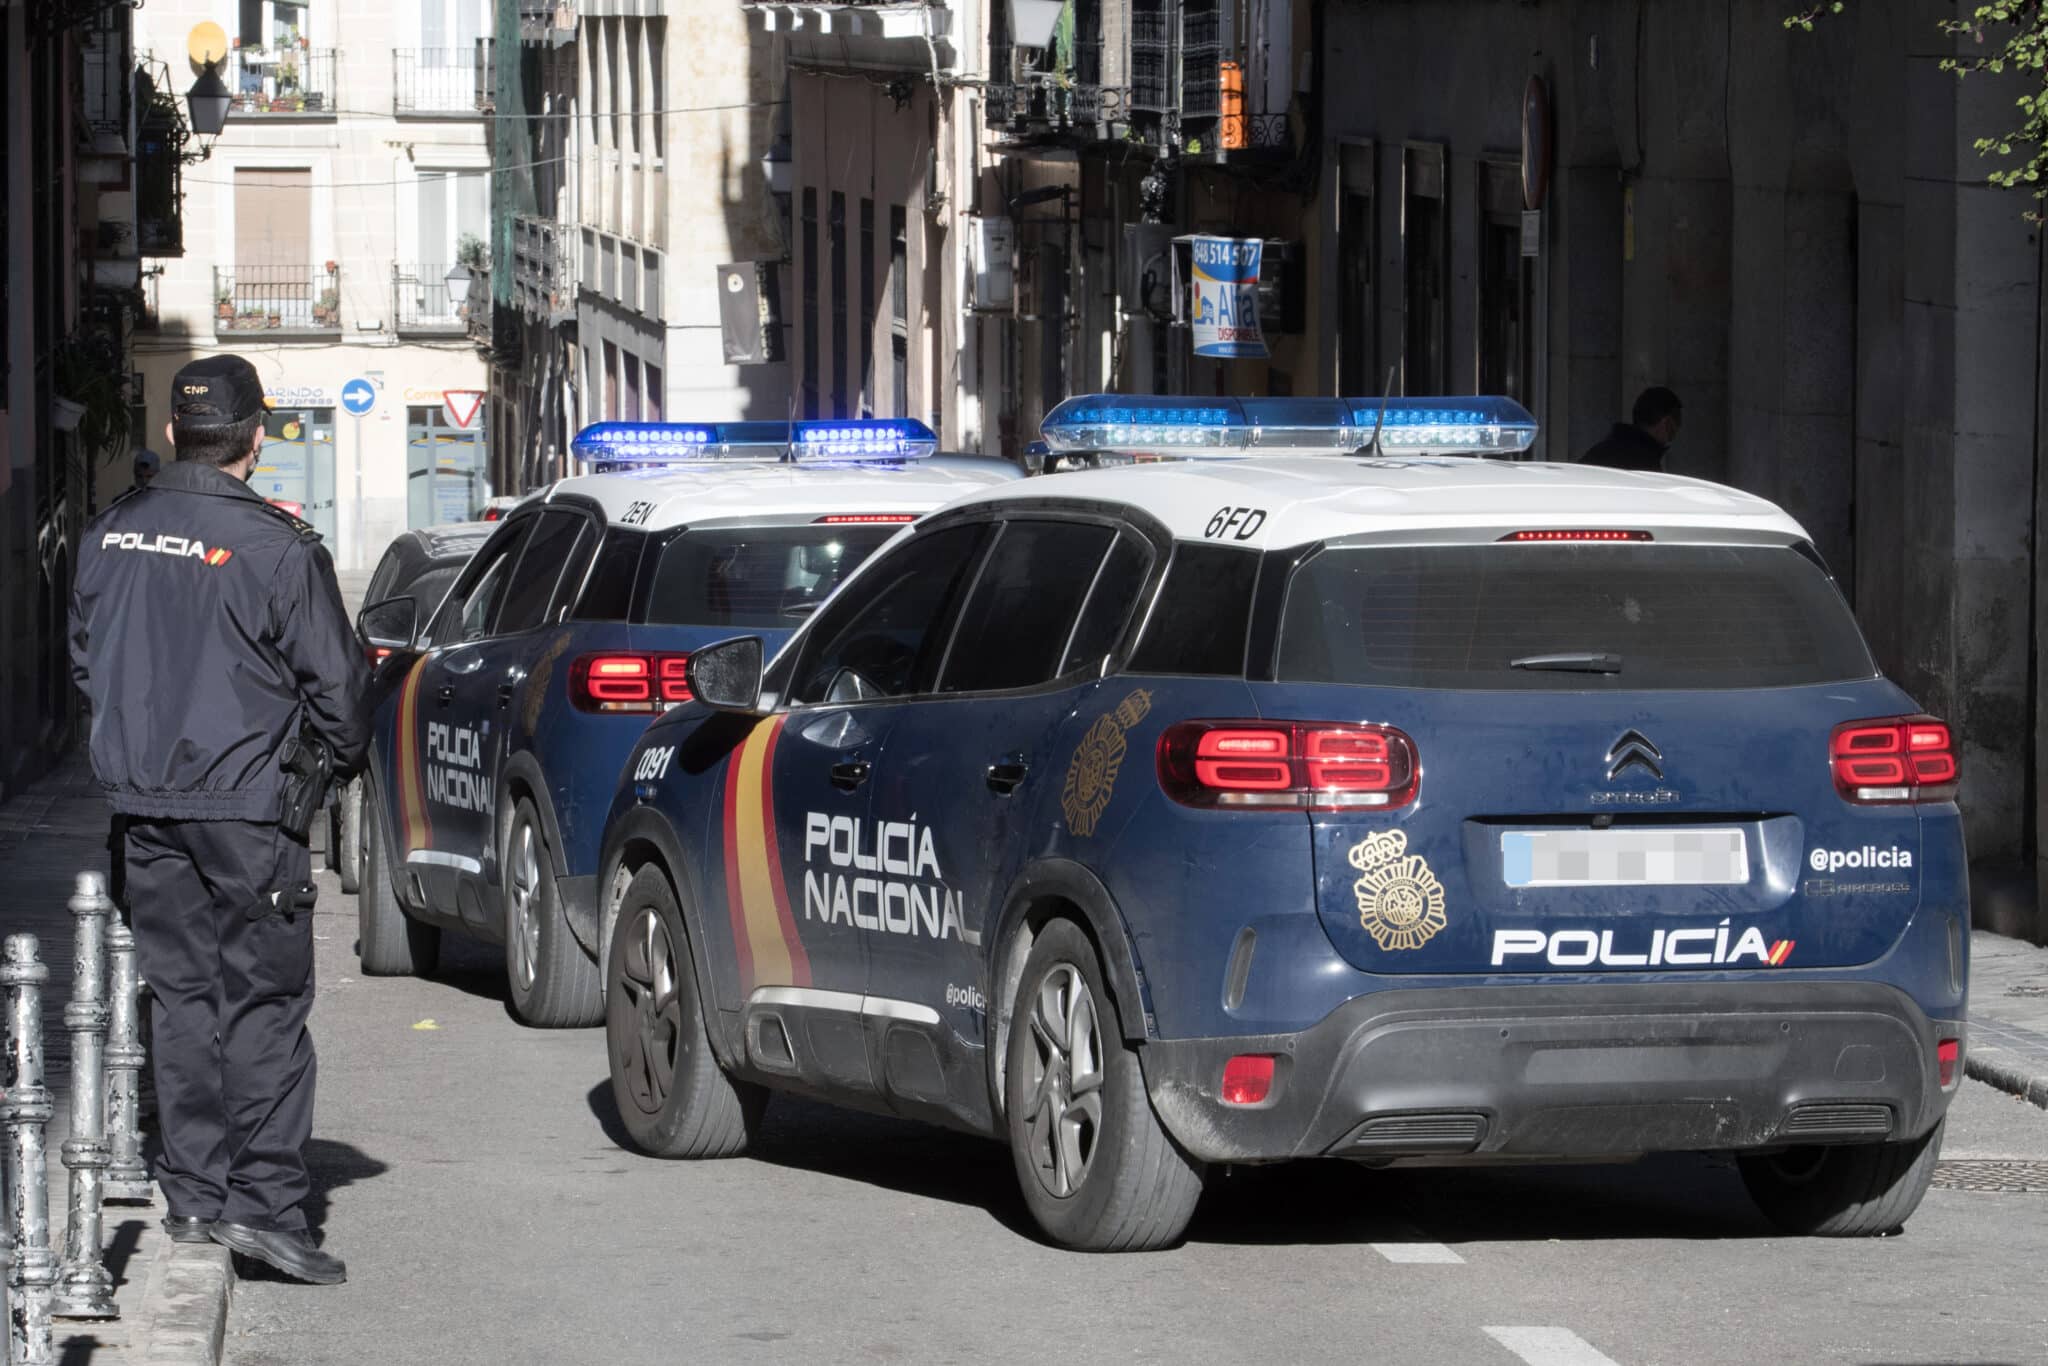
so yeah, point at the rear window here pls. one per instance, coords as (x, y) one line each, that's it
(1663, 617)
(429, 588)
(771, 576)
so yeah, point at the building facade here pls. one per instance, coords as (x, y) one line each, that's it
(633, 199)
(71, 298)
(333, 236)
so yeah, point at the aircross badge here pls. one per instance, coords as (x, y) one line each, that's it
(1400, 902)
(1091, 777)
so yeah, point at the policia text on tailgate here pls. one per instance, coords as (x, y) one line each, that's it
(1333, 793)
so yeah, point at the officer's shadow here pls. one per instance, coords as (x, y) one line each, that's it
(330, 1165)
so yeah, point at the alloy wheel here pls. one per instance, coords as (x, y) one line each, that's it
(524, 931)
(1063, 1118)
(644, 1050)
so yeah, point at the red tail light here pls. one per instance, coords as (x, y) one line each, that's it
(377, 653)
(1308, 765)
(1947, 1054)
(1893, 759)
(1247, 1079)
(491, 514)
(629, 682)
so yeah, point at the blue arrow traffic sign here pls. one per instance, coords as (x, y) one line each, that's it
(358, 396)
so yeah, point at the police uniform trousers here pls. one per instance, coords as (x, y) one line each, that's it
(230, 995)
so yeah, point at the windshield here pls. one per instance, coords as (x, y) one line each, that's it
(1567, 617)
(769, 576)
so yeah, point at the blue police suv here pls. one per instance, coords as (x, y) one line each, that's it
(1341, 792)
(504, 718)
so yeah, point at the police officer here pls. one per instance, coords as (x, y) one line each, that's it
(209, 633)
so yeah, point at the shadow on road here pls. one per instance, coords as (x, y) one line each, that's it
(331, 1166)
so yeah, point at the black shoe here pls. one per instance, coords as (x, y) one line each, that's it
(290, 1252)
(188, 1228)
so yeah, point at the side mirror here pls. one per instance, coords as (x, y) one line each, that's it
(727, 675)
(388, 625)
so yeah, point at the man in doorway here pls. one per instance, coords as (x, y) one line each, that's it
(1640, 444)
(209, 633)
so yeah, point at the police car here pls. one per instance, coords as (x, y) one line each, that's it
(1419, 808)
(418, 564)
(504, 719)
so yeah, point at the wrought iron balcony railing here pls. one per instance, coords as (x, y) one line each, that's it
(480, 312)
(279, 300)
(543, 270)
(547, 21)
(434, 81)
(282, 80)
(423, 302)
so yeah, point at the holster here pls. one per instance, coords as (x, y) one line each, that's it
(285, 901)
(308, 765)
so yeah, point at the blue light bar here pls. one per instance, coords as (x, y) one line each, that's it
(1198, 428)
(631, 445)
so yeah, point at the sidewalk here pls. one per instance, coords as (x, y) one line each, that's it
(2009, 1015)
(173, 1299)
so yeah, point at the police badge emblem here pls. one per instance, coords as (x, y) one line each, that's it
(1091, 775)
(1400, 902)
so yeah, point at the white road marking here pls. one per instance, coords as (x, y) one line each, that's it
(1550, 1347)
(1418, 1253)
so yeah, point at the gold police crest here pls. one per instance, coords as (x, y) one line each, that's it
(1400, 902)
(1091, 776)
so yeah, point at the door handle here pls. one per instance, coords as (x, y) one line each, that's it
(1005, 775)
(446, 694)
(504, 695)
(849, 774)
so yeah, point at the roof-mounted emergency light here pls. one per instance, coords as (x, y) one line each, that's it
(637, 445)
(1189, 427)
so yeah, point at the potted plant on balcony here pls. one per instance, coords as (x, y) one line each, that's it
(224, 304)
(327, 309)
(91, 401)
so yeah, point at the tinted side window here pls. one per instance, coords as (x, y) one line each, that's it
(1198, 625)
(467, 612)
(888, 629)
(1117, 585)
(549, 550)
(608, 596)
(1014, 628)
(382, 578)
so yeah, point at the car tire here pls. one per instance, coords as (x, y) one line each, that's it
(349, 859)
(1098, 1171)
(330, 843)
(389, 942)
(555, 985)
(1851, 1190)
(673, 1097)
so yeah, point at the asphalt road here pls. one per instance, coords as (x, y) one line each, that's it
(466, 1170)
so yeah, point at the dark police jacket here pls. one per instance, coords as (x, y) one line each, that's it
(206, 627)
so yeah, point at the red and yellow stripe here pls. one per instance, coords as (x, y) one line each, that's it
(763, 927)
(219, 557)
(416, 829)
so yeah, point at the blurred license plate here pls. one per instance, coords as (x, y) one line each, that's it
(1624, 858)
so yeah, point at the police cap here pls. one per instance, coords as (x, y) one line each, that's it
(216, 391)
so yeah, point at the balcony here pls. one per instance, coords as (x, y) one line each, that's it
(281, 302)
(485, 67)
(421, 305)
(543, 273)
(288, 82)
(1041, 108)
(434, 82)
(480, 314)
(545, 22)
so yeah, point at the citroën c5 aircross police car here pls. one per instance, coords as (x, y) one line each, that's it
(1338, 791)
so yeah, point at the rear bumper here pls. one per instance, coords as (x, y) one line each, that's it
(1568, 1072)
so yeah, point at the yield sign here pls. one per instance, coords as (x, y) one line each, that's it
(463, 405)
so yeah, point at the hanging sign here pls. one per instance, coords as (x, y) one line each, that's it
(1226, 321)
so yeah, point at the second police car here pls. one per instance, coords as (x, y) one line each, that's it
(505, 715)
(1419, 808)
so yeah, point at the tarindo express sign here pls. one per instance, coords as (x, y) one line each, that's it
(1226, 279)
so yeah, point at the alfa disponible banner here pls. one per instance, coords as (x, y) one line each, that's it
(1227, 297)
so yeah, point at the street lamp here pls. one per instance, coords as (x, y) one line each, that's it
(458, 284)
(208, 99)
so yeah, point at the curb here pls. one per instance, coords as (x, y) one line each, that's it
(1995, 1070)
(189, 1326)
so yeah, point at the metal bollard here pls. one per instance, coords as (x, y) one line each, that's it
(127, 1176)
(25, 1111)
(85, 1288)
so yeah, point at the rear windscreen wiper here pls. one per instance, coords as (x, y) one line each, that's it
(1574, 661)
